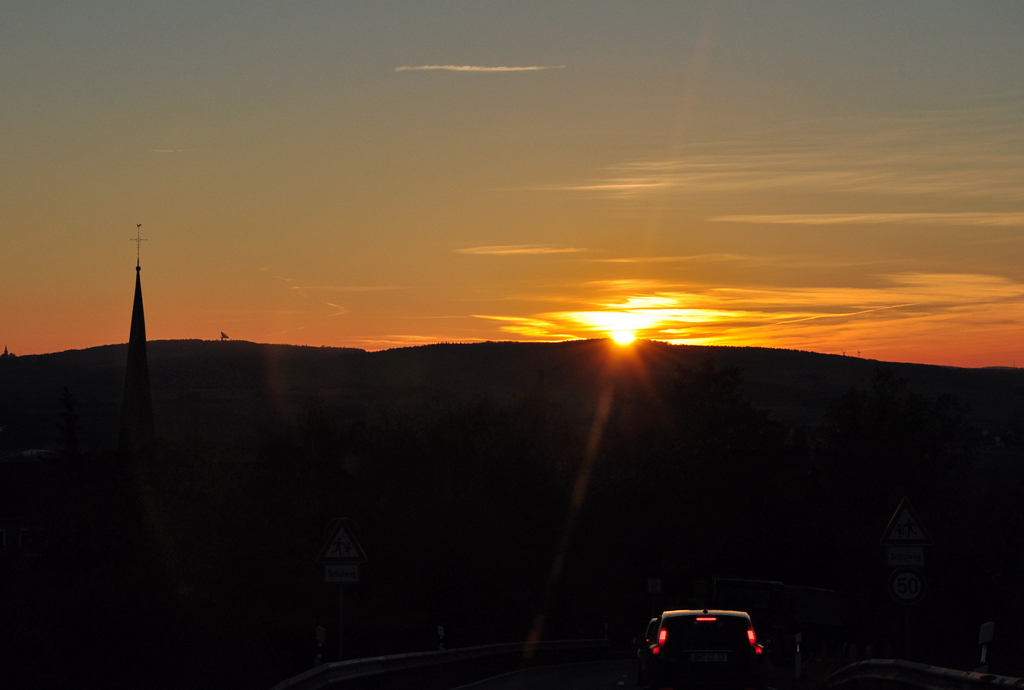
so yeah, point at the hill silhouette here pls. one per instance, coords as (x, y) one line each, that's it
(232, 384)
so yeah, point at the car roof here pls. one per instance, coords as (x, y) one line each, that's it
(704, 612)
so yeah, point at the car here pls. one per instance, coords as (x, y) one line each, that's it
(643, 653)
(705, 649)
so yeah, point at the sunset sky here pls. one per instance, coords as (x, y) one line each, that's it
(818, 176)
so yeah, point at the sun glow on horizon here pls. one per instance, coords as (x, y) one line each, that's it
(897, 320)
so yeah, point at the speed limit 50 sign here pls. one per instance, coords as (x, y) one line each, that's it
(906, 585)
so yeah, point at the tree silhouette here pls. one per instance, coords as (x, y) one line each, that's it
(68, 426)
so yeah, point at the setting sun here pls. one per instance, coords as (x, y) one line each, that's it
(623, 337)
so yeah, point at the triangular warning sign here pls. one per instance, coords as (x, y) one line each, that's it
(342, 547)
(905, 528)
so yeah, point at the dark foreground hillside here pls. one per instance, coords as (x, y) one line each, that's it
(499, 488)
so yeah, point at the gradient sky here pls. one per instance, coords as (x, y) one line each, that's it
(820, 176)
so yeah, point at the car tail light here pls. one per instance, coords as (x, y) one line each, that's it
(706, 619)
(758, 649)
(752, 637)
(662, 636)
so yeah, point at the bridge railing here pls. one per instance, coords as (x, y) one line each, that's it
(894, 674)
(443, 668)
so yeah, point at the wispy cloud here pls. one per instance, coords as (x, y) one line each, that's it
(344, 288)
(761, 172)
(476, 68)
(1011, 219)
(184, 150)
(628, 285)
(674, 259)
(501, 250)
(258, 312)
(338, 309)
(533, 327)
(972, 153)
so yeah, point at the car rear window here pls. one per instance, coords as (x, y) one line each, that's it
(722, 633)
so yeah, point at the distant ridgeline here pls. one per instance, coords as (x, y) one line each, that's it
(237, 380)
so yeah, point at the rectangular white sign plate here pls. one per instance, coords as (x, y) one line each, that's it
(341, 573)
(985, 636)
(905, 555)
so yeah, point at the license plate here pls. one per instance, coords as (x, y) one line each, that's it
(708, 656)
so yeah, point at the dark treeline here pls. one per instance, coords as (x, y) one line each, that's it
(199, 567)
(699, 483)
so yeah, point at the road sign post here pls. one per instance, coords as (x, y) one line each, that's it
(905, 539)
(797, 658)
(342, 556)
(341, 617)
(654, 589)
(984, 637)
(321, 638)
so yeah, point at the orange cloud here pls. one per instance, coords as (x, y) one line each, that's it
(512, 249)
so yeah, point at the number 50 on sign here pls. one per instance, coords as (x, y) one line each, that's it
(906, 585)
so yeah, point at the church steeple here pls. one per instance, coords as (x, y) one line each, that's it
(137, 436)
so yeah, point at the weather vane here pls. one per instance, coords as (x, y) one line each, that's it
(138, 240)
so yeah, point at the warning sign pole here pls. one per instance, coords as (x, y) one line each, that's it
(341, 611)
(341, 555)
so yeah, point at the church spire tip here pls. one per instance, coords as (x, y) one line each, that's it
(138, 240)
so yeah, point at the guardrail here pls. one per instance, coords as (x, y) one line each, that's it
(880, 673)
(440, 669)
